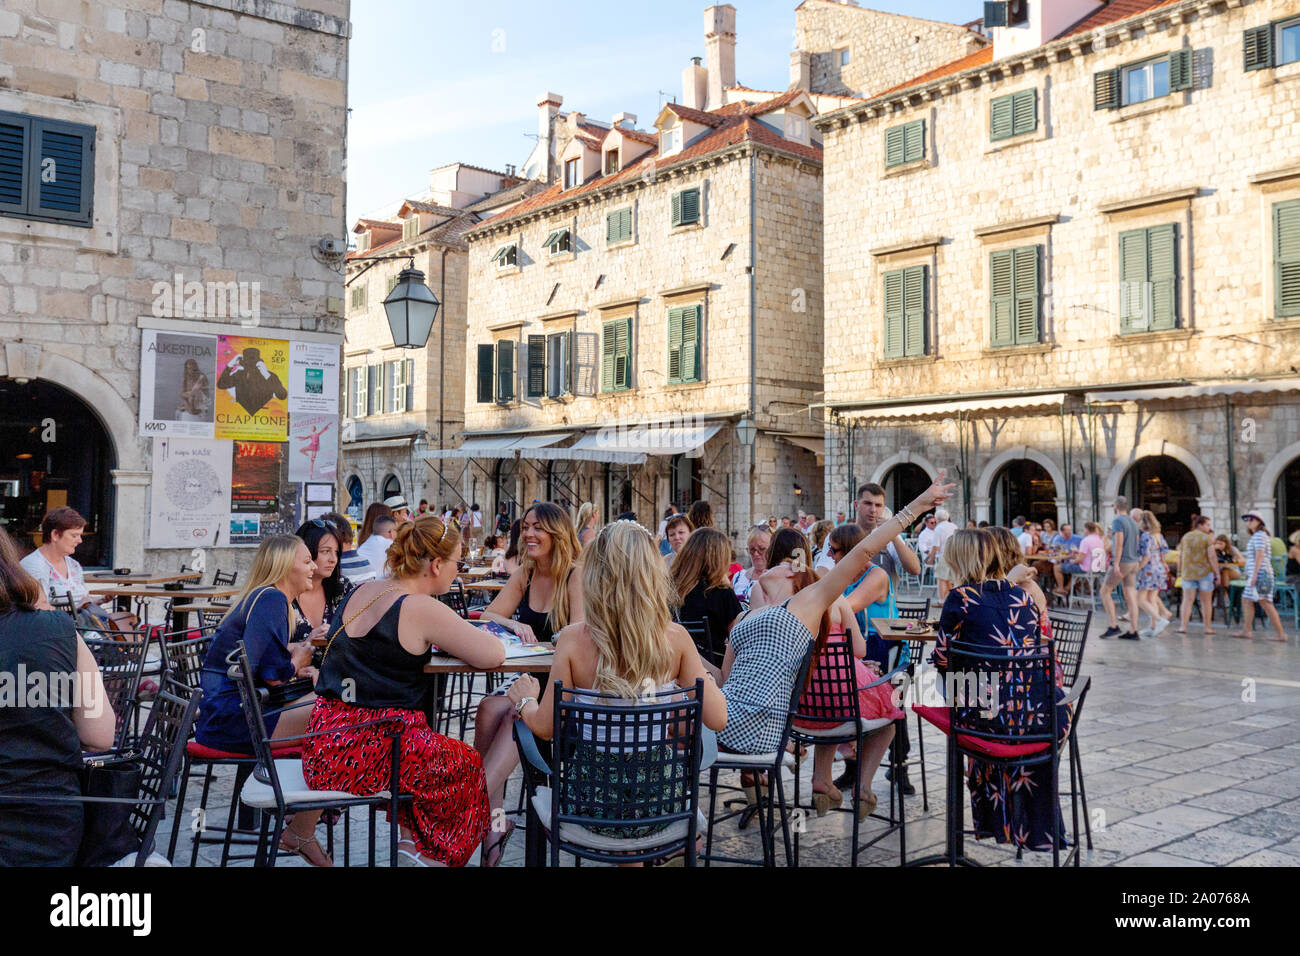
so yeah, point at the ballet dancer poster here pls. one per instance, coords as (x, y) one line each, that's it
(313, 448)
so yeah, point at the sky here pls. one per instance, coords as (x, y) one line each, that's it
(433, 82)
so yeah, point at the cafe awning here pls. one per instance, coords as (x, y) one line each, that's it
(815, 445)
(497, 446)
(632, 445)
(974, 406)
(1173, 392)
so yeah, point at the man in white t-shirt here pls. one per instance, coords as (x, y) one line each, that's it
(375, 548)
(943, 530)
(925, 540)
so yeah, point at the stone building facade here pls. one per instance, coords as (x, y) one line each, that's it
(399, 402)
(213, 140)
(1078, 270)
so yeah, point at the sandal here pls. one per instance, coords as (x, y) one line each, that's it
(493, 854)
(823, 803)
(307, 848)
(410, 855)
(866, 805)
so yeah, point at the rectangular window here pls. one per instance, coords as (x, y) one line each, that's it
(611, 162)
(1286, 258)
(392, 284)
(359, 392)
(1148, 276)
(1146, 81)
(618, 226)
(358, 297)
(375, 377)
(1013, 115)
(1288, 42)
(47, 169)
(505, 371)
(684, 345)
(670, 140)
(507, 257)
(572, 173)
(558, 242)
(616, 355)
(535, 383)
(1272, 44)
(844, 57)
(1015, 290)
(905, 298)
(410, 228)
(486, 362)
(363, 241)
(686, 207)
(904, 144)
(397, 386)
(559, 378)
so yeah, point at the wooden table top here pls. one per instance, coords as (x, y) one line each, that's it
(105, 577)
(484, 585)
(148, 591)
(446, 664)
(885, 628)
(476, 572)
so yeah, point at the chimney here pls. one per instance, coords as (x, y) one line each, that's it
(548, 108)
(510, 169)
(695, 85)
(625, 120)
(720, 51)
(801, 71)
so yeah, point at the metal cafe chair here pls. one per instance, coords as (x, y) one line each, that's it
(915, 611)
(1070, 632)
(121, 660)
(702, 634)
(623, 778)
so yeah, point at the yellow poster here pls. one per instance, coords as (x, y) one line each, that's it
(252, 399)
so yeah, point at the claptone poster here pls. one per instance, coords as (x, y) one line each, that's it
(313, 447)
(190, 497)
(252, 400)
(313, 378)
(178, 375)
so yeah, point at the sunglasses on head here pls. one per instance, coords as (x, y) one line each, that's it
(320, 523)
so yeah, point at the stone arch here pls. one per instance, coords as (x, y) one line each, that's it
(904, 457)
(1156, 447)
(1273, 469)
(984, 485)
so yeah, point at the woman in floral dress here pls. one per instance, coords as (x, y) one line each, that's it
(1153, 574)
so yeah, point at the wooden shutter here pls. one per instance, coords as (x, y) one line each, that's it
(608, 349)
(675, 345)
(1002, 297)
(1133, 281)
(623, 356)
(625, 223)
(62, 172)
(375, 378)
(691, 344)
(536, 366)
(505, 370)
(618, 226)
(894, 314)
(1001, 118)
(1027, 295)
(995, 13)
(1180, 71)
(914, 310)
(14, 133)
(1258, 43)
(1105, 89)
(677, 209)
(611, 227)
(1286, 258)
(1024, 109)
(410, 384)
(1162, 272)
(686, 207)
(914, 141)
(895, 146)
(486, 358)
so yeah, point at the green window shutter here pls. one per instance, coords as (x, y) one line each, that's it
(1027, 295)
(505, 371)
(914, 310)
(995, 13)
(677, 209)
(623, 354)
(1259, 47)
(1133, 281)
(1105, 89)
(895, 147)
(1180, 71)
(914, 141)
(618, 225)
(375, 377)
(1286, 258)
(675, 345)
(569, 362)
(894, 314)
(1001, 120)
(485, 360)
(611, 227)
(1024, 108)
(691, 344)
(410, 384)
(63, 171)
(536, 366)
(608, 349)
(15, 131)
(1002, 297)
(1162, 271)
(625, 224)
(686, 207)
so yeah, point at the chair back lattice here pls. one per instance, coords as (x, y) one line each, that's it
(619, 761)
(161, 746)
(702, 634)
(221, 578)
(1003, 694)
(1070, 632)
(121, 660)
(184, 658)
(241, 672)
(832, 694)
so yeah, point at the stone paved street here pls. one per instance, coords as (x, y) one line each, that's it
(1190, 751)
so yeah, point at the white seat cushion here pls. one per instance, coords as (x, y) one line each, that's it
(581, 836)
(753, 760)
(293, 786)
(846, 729)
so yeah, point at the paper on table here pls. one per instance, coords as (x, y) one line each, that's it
(526, 650)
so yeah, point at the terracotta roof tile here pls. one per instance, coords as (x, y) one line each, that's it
(428, 207)
(1113, 12)
(364, 224)
(694, 115)
(979, 58)
(641, 136)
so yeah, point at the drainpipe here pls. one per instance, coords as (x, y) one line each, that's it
(965, 463)
(753, 320)
(1092, 452)
(1232, 468)
(1065, 461)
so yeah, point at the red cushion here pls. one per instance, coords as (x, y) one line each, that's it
(475, 615)
(200, 752)
(941, 717)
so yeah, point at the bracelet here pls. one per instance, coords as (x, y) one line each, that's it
(519, 707)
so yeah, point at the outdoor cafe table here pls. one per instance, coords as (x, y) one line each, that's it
(141, 579)
(484, 585)
(182, 601)
(894, 629)
(476, 573)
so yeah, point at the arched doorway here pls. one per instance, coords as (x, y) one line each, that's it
(1022, 488)
(392, 486)
(618, 491)
(1167, 488)
(356, 497)
(54, 451)
(506, 471)
(903, 484)
(684, 487)
(1287, 495)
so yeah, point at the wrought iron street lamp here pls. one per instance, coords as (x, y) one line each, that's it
(745, 431)
(411, 309)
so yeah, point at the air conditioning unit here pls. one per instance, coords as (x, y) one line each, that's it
(1005, 13)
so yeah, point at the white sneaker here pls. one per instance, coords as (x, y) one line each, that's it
(1146, 632)
(1160, 627)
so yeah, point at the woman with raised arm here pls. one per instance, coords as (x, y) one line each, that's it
(768, 645)
(373, 669)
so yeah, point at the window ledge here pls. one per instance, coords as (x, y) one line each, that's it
(688, 227)
(685, 386)
(1010, 142)
(512, 271)
(1171, 101)
(909, 360)
(1037, 348)
(621, 244)
(562, 258)
(904, 168)
(1143, 338)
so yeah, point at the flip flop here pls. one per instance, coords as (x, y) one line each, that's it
(498, 848)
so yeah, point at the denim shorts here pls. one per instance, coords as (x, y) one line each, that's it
(1206, 583)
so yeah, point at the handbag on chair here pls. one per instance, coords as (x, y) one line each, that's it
(107, 835)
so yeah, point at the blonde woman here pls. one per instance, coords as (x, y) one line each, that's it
(263, 620)
(1153, 573)
(1009, 562)
(625, 644)
(373, 669)
(586, 523)
(700, 587)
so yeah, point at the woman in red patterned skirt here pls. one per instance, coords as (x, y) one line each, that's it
(374, 668)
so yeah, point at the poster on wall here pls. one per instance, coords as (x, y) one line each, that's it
(190, 497)
(313, 447)
(313, 378)
(178, 373)
(256, 477)
(252, 400)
